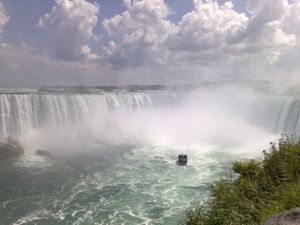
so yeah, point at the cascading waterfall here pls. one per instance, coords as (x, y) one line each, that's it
(113, 153)
(276, 114)
(20, 113)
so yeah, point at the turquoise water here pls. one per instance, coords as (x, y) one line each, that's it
(120, 185)
(95, 177)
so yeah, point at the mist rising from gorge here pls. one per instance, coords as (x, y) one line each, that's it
(233, 116)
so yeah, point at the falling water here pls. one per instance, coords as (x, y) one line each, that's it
(136, 180)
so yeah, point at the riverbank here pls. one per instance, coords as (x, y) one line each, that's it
(255, 191)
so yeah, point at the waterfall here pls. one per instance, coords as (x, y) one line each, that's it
(277, 114)
(20, 113)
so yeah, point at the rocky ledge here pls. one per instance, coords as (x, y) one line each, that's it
(291, 217)
(10, 148)
(43, 153)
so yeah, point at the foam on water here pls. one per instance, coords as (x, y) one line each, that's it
(144, 186)
(113, 154)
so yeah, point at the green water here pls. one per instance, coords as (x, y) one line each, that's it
(124, 185)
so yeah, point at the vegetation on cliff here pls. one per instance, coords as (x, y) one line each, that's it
(258, 189)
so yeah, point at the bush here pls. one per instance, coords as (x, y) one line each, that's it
(261, 189)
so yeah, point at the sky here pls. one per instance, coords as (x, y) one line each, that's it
(110, 42)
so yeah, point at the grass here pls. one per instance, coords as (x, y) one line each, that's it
(260, 190)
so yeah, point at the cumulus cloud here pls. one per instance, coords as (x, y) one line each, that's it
(144, 45)
(265, 14)
(25, 66)
(210, 25)
(292, 20)
(3, 18)
(211, 34)
(71, 24)
(138, 34)
(291, 25)
(266, 11)
(215, 34)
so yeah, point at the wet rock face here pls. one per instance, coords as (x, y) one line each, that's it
(41, 152)
(291, 217)
(10, 148)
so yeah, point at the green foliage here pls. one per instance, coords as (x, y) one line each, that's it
(261, 189)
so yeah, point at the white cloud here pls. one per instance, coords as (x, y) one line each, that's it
(210, 42)
(265, 34)
(267, 10)
(71, 23)
(209, 26)
(24, 65)
(3, 18)
(138, 34)
(292, 20)
(291, 25)
(216, 35)
(211, 35)
(264, 13)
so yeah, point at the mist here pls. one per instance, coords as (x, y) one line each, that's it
(208, 119)
(114, 152)
(99, 99)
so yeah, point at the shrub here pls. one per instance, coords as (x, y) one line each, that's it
(261, 189)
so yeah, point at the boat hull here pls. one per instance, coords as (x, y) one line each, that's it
(181, 163)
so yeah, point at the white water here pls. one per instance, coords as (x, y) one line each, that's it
(23, 114)
(127, 172)
(20, 114)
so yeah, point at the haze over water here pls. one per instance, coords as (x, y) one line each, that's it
(113, 154)
(214, 79)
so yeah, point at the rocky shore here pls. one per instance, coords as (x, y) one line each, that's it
(291, 217)
(10, 148)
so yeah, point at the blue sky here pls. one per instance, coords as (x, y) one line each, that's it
(68, 42)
